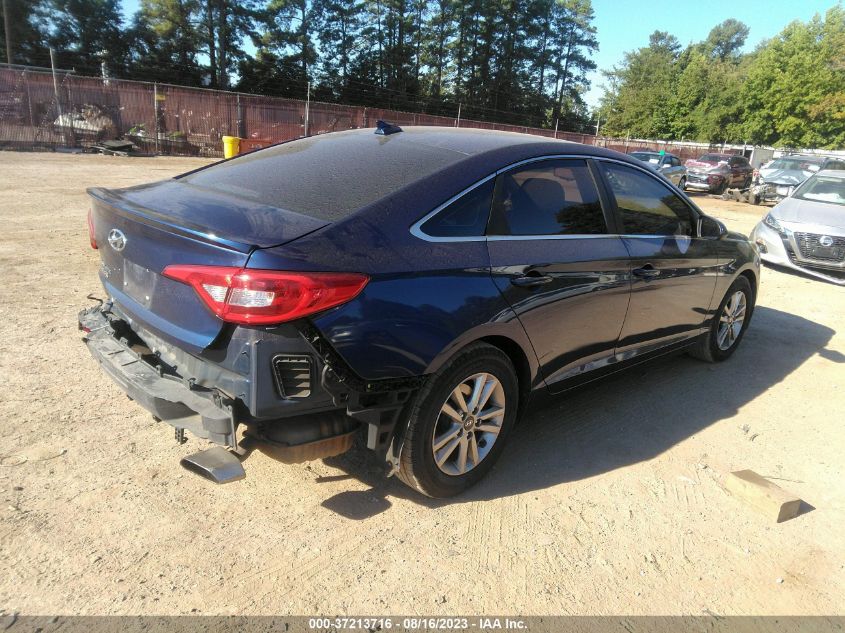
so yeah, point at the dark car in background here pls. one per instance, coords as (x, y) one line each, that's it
(417, 286)
(713, 173)
(668, 165)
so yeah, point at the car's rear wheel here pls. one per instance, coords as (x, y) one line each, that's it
(682, 183)
(729, 324)
(459, 422)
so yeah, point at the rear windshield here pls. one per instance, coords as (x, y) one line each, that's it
(713, 158)
(646, 157)
(327, 177)
(794, 164)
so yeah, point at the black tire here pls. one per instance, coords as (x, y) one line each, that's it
(722, 188)
(682, 183)
(418, 468)
(747, 183)
(707, 348)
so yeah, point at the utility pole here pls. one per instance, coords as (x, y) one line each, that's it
(56, 93)
(458, 120)
(7, 25)
(155, 114)
(556, 122)
(307, 107)
(598, 124)
(104, 69)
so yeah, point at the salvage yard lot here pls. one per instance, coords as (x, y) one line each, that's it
(608, 500)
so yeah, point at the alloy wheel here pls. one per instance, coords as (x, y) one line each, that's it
(731, 320)
(468, 424)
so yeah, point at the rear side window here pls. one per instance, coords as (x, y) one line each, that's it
(646, 206)
(465, 217)
(556, 197)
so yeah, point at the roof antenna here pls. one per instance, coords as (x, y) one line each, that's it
(384, 128)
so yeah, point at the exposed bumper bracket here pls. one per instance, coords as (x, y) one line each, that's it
(378, 403)
(165, 396)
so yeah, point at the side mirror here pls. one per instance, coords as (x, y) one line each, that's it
(711, 228)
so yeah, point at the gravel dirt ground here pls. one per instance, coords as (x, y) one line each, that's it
(606, 501)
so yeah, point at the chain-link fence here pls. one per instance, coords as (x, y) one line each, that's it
(40, 110)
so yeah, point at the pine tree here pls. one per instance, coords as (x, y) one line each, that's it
(86, 33)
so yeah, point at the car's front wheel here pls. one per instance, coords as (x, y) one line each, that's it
(682, 183)
(459, 421)
(729, 323)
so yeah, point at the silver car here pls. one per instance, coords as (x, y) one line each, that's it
(667, 164)
(778, 178)
(806, 231)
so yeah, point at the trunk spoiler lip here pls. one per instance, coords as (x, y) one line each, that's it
(150, 217)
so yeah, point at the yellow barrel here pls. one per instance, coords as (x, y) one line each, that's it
(231, 146)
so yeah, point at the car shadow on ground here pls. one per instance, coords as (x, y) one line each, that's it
(632, 416)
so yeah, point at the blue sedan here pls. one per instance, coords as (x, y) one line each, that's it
(415, 286)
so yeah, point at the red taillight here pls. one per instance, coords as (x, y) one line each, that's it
(263, 297)
(91, 236)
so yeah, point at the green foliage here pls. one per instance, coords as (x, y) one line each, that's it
(788, 92)
(517, 61)
(795, 91)
(29, 32)
(86, 33)
(164, 41)
(644, 86)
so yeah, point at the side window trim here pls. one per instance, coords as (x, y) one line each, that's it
(696, 214)
(608, 204)
(611, 212)
(416, 228)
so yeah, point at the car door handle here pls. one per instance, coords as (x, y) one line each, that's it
(646, 272)
(530, 281)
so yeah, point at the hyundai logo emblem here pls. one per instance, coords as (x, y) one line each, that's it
(826, 240)
(117, 240)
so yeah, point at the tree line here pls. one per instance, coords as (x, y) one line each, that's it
(519, 61)
(787, 92)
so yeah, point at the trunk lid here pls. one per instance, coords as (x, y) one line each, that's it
(141, 230)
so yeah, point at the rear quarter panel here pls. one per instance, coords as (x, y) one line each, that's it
(424, 301)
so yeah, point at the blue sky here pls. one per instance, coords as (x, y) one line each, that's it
(625, 25)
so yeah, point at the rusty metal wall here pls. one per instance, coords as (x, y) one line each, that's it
(176, 120)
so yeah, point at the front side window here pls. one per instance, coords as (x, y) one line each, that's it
(646, 206)
(555, 197)
(465, 217)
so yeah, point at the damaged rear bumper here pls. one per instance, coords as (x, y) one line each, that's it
(204, 412)
(317, 426)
